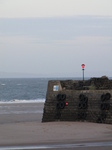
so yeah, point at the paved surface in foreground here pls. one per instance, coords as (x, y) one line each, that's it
(62, 146)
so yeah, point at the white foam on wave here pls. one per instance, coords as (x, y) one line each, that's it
(23, 101)
(2, 84)
(19, 84)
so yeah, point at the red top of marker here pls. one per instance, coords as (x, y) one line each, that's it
(83, 66)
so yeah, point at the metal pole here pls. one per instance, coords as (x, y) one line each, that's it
(83, 74)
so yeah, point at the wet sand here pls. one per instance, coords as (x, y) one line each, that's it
(23, 128)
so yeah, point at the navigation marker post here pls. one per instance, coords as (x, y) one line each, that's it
(83, 66)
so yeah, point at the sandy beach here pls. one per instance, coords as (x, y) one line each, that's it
(23, 126)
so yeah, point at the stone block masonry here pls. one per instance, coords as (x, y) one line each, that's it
(73, 100)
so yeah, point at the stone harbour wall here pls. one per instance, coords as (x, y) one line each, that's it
(71, 100)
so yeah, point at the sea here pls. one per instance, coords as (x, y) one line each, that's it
(18, 90)
(15, 90)
(23, 95)
(17, 93)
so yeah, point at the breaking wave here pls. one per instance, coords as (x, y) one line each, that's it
(23, 101)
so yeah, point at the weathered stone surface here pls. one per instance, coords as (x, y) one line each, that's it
(71, 100)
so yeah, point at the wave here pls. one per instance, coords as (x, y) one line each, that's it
(3, 84)
(23, 101)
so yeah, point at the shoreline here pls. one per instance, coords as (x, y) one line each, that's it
(41, 101)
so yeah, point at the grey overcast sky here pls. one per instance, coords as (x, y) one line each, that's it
(52, 38)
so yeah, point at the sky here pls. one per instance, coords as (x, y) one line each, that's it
(52, 38)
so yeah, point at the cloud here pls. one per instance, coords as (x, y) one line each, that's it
(81, 41)
(2, 1)
(56, 46)
(19, 40)
(87, 41)
(51, 8)
(56, 29)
